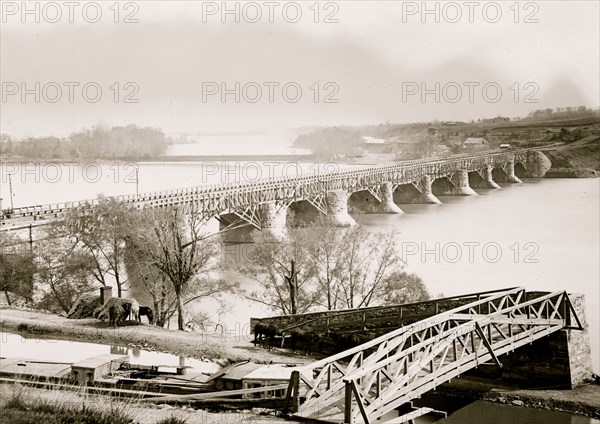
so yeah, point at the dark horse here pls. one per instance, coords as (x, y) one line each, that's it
(147, 311)
(116, 315)
(268, 331)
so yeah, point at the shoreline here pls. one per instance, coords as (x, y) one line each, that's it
(583, 400)
(222, 349)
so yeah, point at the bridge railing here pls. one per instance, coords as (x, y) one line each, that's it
(352, 319)
(347, 362)
(389, 371)
(331, 177)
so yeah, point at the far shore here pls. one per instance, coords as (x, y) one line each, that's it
(230, 348)
(167, 158)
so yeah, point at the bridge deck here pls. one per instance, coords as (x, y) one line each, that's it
(212, 200)
(370, 382)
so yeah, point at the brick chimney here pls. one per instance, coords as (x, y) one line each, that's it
(105, 294)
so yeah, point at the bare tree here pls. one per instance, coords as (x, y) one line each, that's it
(283, 272)
(322, 267)
(152, 279)
(325, 250)
(102, 231)
(401, 287)
(175, 244)
(351, 263)
(17, 267)
(62, 273)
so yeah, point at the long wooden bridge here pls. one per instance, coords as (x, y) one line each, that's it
(376, 382)
(263, 204)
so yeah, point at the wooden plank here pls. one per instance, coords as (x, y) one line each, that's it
(410, 416)
(221, 394)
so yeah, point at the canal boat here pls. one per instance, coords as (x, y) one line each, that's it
(242, 384)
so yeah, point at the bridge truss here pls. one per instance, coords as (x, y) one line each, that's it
(244, 198)
(368, 383)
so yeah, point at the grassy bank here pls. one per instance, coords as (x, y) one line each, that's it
(21, 405)
(220, 348)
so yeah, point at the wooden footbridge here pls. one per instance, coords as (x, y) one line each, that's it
(376, 382)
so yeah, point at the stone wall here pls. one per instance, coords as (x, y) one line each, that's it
(561, 360)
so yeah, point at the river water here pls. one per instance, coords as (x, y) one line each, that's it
(543, 234)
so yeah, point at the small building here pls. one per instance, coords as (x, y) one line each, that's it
(475, 143)
(372, 140)
(374, 145)
(268, 375)
(230, 378)
(248, 376)
(93, 369)
(505, 146)
(442, 149)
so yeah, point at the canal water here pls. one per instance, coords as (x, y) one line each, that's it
(22, 346)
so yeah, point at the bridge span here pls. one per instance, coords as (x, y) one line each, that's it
(376, 382)
(264, 204)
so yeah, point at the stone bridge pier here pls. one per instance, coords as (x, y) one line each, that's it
(337, 209)
(273, 219)
(366, 202)
(453, 185)
(506, 174)
(269, 217)
(419, 192)
(483, 178)
(537, 164)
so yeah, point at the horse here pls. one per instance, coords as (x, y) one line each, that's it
(134, 311)
(130, 307)
(116, 315)
(146, 311)
(266, 330)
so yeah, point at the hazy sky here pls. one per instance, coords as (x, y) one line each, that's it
(370, 66)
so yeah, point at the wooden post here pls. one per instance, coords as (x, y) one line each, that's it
(292, 394)
(348, 403)
(30, 240)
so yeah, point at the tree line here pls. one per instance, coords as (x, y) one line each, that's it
(321, 267)
(128, 141)
(561, 113)
(169, 256)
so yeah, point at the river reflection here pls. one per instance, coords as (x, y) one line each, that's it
(17, 346)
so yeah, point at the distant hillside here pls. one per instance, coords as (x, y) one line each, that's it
(580, 131)
(576, 159)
